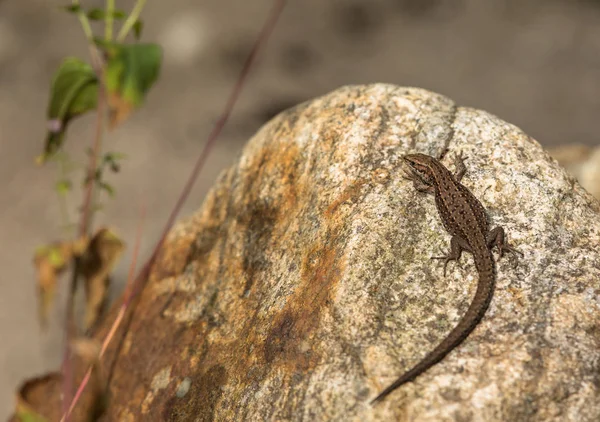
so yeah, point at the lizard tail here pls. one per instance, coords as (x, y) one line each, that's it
(474, 314)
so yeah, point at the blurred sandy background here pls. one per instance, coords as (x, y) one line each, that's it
(534, 63)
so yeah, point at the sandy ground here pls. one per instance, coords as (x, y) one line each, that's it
(536, 64)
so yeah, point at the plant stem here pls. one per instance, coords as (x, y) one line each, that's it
(136, 285)
(131, 20)
(85, 22)
(86, 209)
(70, 326)
(64, 210)
(62, 160)
(86, 212)
(110, 13)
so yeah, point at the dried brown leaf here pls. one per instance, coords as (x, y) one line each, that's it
(120, 110)
(50, 261)
(103, 252)
(34, 398)
(88, 349)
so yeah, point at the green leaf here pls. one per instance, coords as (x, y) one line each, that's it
(101, 43)
(55, 256)
(131, 70)
(30, 416)
(72, 8)
(97, 14)
(74, 91)
(138, 26)
(63, 187)
(112, 159)
(108, 188)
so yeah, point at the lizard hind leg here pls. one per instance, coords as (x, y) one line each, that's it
(457, 246)
(496, 237)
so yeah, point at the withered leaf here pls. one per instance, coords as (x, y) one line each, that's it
(36, 397)
(97, 262)
(51, 261)
(87, 348)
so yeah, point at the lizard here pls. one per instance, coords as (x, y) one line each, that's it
(464, 217)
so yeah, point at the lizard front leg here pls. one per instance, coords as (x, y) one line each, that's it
(457, 246)
(418, 183)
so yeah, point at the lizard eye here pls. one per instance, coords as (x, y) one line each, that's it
(422, 170)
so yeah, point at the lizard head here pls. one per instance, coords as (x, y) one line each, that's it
(421, 166)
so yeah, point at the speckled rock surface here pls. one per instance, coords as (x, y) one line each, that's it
(583, 162)
(304, 285)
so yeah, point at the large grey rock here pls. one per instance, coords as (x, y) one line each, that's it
(304, 284)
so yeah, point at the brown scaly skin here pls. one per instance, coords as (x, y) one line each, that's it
(465, 219)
